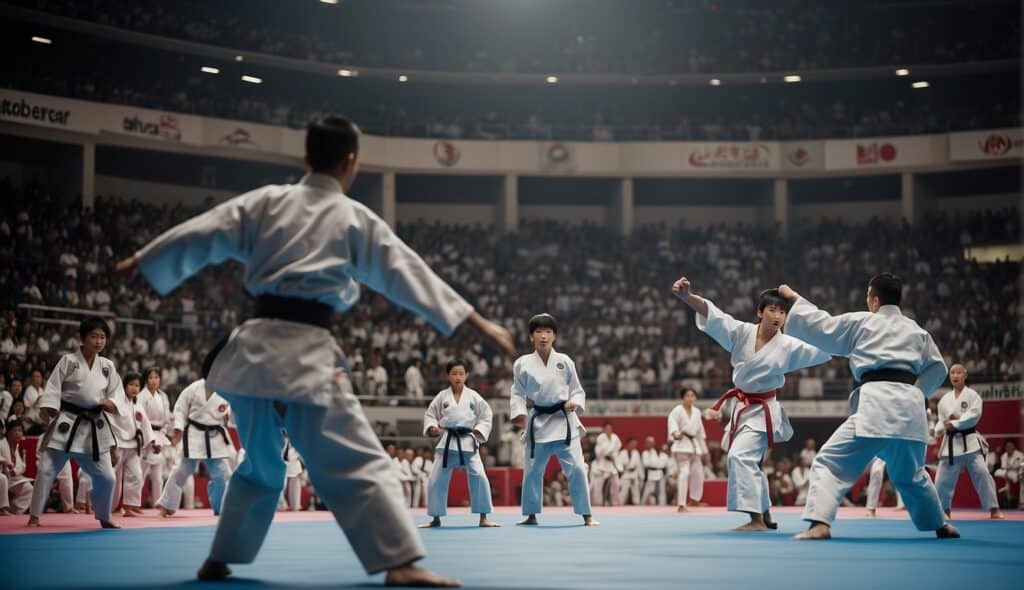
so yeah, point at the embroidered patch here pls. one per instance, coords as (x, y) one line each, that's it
(445, 405)
(74, 366)
(105, 371)
(138, 416)
(560, 366)
(222, 408)
(63, 428)
(963, 405)
(99, 424)
(472, 407)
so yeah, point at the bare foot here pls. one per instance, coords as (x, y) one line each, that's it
(528, 521)
(163, 512)
(74, 511)
(871, 513)
(137, 511)
(429, 525)
(819, 531)
(588, 520)
(410, 575)
(484, 522)
(213, 570)
(948, 531)
(106, 524)
(33, 522)
(996, 514)
(681, 509)
(768, 522)
(128, 513)
(752, 526)
(5, 511)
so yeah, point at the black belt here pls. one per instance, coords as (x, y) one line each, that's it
(207, 431)
(292, 309)
(538, 410)
(893, 375)
(95, 418)
(457, 433)
(951, 435)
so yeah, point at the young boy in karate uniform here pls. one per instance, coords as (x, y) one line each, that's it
(306, 248)
(134, 435)
(655, 465)
(962, 446)
(201, 419)
(548, 379)
(897, 366)
(604, 470)
(686, 431)
(294, 474)
(81, 391)
(462, 420)
(632, 473)
(761, 356)
(157, 407)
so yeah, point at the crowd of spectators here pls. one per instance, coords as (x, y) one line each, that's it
(582, 36)
(628, 336)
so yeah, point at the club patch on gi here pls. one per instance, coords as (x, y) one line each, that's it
(138, 416)
(963, 405)
(445, 405)
(472, 407)
(222, 408)
(560, 366)
(105, 371)
(63, 428)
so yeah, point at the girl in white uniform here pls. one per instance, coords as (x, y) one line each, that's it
(15, 488)
(461, 418)
(83, 388)
(761, 356)
(689, 445)
(655, 466)
(134, 434)
(157, 407)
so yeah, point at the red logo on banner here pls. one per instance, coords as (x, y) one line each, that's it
(446, 153)
(731, 156)
(996, 145)
(873, 153)
(799, 156)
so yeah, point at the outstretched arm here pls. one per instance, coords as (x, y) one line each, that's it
(710, 320)
(836, 335)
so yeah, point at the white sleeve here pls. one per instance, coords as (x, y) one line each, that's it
(432, 417)
(971, 416)
(576, 393)
(484, 418)
(719, 325)
(802, 355)
(115, 392)
(181, 406)
(836, 335)
(517, 401)
(54, 385)
(933, 368)
(673, 426)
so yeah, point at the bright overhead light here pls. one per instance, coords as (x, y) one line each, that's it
(329, 1)
(252, 79)
(210, 69)
(715, 82)
(903, 72)
(345, 73)
(921, 84)
(43, 40)
(792, 78)
(239, 58)
(403, 78)
(552, 79)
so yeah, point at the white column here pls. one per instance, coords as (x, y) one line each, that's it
(781, 208)
(88, 175)
(508, 205)
(622, 210)
(388, 202)
(908, 198)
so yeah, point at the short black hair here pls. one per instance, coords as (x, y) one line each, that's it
(887, 287)
(330, 140)
(772, 297)
(152, 370)
(456, 362)
(686, 390)
(89, 324)
(132, 377)
(543, 320)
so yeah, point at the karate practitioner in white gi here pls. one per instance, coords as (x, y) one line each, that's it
(898, 366)
(548, 379)
(82, 389)
(293, 476)
(604, 469)
(689, 445)
(655, 466)
(306, 248)
(134, 434)
(157, 407)
(460, 419)
(761, 356)
(876, 478)
(201, 420)
(15, 488)
(962, 446)
(632, 473)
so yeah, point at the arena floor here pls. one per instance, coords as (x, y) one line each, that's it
(634, 548)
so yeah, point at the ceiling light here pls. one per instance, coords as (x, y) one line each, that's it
(792, 78)
(903, 72)
(43, 40)
(252, 79)
(921, 84)
(403, 78)
(552, 79)
(716, 82)
(210, 70)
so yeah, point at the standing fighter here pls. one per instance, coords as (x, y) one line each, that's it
(689, 445)
(761, 356)
(461, 418)
(897, 366)
(962, 446)
(306, 248)
(157, 407)
(134, 434)
(548, 378)
(604, 470)
(81, 388)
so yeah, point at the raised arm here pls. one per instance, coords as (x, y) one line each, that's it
(710, 320)
(836, 335)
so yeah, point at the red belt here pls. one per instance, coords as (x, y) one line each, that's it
(748, 399)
